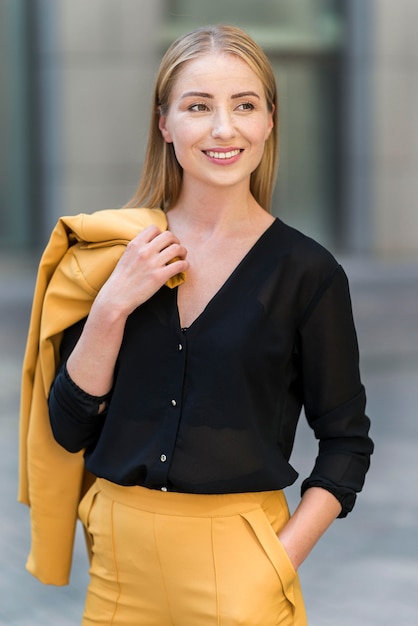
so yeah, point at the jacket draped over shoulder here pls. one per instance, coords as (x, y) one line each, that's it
(78, 259)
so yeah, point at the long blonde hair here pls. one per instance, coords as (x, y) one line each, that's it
(161, 179)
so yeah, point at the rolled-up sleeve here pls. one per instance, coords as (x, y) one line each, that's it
(75, 415)
(334, 397)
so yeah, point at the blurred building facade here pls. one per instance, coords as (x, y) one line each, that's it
(76, 81)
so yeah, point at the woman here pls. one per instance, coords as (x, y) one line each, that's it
(187, 400)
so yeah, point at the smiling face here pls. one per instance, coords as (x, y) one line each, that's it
(217, 120)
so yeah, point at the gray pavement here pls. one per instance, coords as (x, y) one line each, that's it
(364, 572)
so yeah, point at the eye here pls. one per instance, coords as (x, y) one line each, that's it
(198, 107)
(246, 106)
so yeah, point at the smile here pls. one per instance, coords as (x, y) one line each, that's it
(222, 155)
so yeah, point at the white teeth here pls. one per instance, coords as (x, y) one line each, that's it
(222, 155)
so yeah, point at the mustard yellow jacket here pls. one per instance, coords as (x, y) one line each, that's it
(80, 256)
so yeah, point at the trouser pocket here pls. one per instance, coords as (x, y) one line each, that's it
(84, 509)
(274, 550)
(255, 580)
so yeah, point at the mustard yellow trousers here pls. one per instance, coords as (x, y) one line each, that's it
(173, 559)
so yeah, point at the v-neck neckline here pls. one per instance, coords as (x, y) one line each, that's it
(230, 278)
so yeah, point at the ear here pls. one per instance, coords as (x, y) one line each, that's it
(270, 123)
(162, 125)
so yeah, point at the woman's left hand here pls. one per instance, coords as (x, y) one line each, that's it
(316, 511)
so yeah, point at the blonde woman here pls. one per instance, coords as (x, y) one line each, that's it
(186, 400)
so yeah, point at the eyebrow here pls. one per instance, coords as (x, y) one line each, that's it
(235, 96)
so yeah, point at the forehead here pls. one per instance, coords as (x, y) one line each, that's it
(219, 71)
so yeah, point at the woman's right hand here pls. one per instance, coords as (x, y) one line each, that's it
(150, 260)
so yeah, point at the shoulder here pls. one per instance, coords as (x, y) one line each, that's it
(306, 268)
(304, 254)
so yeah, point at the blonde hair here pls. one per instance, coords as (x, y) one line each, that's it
(161, 179)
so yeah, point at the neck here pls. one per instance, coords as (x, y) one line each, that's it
(209, 211)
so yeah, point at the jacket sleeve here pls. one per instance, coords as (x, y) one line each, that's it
(74, 414)
(334, 397)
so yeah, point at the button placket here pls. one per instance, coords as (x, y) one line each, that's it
(161, 465)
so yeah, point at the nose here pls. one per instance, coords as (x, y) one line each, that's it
(223, 124)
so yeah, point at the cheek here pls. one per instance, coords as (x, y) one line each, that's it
(187, 133)
(259, 134)
(182, 140)
(262, 128)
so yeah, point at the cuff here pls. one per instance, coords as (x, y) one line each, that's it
(346, 497)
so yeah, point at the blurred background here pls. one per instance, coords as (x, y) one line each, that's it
(75, 81)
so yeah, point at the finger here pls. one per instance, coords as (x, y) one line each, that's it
(174, 251)
(146, 243)
(148, 234)
(163, 240)
(173, 268)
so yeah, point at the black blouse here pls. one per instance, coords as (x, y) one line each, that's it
(214, 408)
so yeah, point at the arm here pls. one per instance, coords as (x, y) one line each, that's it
(334, 402)
(333, 395)
(316, 511)
(150, 260)
(80, 393)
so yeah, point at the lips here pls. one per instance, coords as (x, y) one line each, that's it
(214, 154)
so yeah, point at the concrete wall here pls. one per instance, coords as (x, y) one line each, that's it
(15, 111)
(96, 71)
(395, 138)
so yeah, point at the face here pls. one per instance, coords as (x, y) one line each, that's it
(218, 120)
